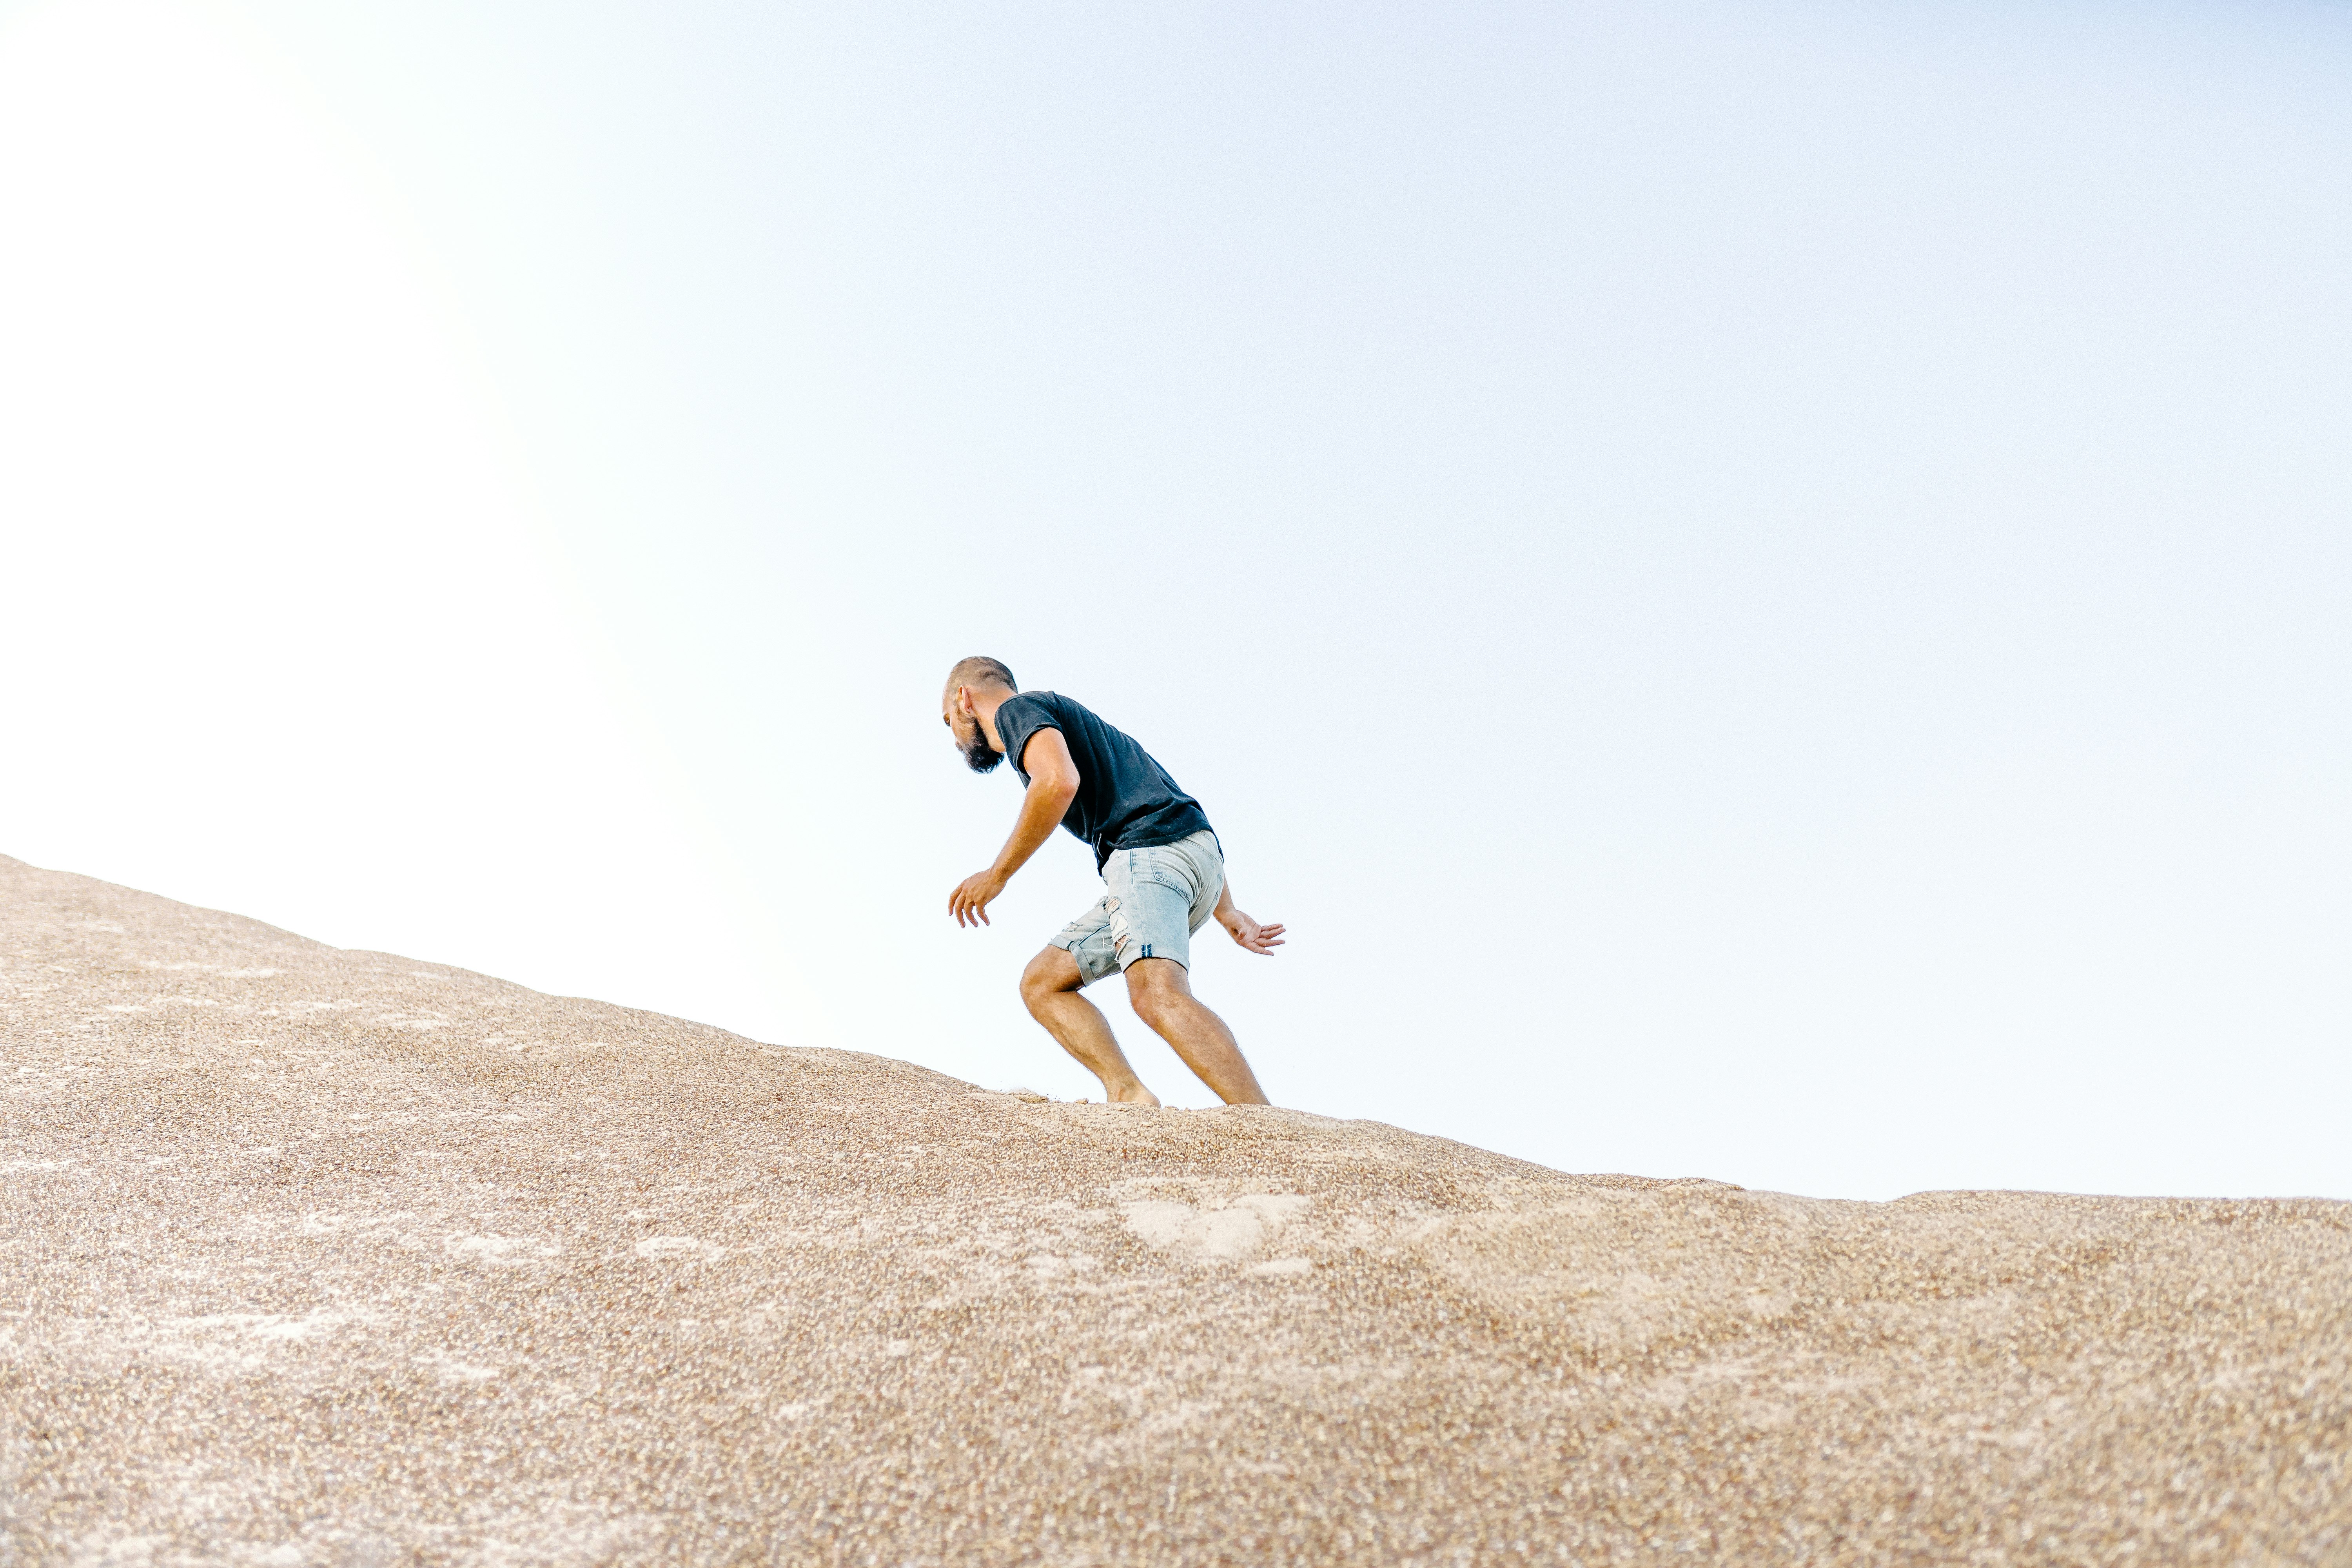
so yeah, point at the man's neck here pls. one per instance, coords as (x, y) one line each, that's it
(985, 703)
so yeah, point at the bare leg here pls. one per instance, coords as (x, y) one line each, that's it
(1162, 995)
(1050, 987)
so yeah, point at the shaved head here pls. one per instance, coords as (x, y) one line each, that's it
(980, 670)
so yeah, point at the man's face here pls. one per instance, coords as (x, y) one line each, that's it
(963, 723)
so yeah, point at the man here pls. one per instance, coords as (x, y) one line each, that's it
(1162, 868)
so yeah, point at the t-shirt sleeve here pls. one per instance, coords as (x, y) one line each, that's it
(1017, 721)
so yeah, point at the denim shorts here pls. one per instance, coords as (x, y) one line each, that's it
(1154, 899)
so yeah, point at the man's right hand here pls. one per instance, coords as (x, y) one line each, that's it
(1053, 785)
(969, 903)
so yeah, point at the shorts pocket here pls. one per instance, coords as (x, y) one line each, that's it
(1161, 870)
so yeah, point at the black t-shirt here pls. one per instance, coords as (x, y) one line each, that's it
(1125, 800)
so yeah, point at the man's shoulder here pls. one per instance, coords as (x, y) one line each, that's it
(1021, 715)
(1047, 705)
(1031, 705)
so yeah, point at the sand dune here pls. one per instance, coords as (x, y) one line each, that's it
(316, 1256)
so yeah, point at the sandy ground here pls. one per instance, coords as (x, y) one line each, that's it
(316, 1257)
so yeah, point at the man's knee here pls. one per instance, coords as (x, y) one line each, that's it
(1051, 974)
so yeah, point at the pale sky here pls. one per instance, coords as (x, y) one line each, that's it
(1762, 586)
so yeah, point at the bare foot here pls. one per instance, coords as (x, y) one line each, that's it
(1133, 1094)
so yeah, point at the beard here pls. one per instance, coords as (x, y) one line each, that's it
(978, 754)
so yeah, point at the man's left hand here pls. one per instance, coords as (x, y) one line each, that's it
(969, 903)
(1252, 936)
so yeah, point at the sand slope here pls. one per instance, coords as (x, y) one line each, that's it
(315, 1257)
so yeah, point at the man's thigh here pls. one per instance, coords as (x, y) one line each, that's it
(1151, 979)
(1150, 901)
(1087, 941)
(1052, 970)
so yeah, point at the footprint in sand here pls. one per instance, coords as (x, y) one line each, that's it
(1233, 1229)
(506, 1251)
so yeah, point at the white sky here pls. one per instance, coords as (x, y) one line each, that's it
(1762, 586)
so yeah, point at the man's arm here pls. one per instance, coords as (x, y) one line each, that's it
(1053, 783)
(1253, 936)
